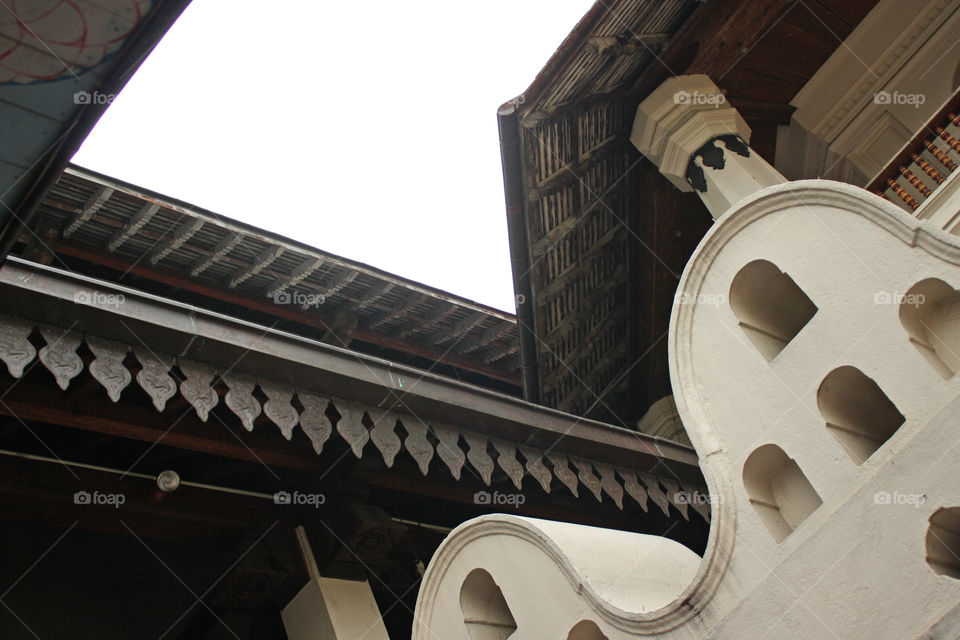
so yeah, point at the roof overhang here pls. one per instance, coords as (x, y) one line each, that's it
(90, 307)
(52, 94)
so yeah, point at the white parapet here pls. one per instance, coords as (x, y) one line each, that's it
(814, 366)
(501, 576)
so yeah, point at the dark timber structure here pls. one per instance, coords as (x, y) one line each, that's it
(140, 334)
(598, 237)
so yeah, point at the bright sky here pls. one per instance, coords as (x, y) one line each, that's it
(367, 129)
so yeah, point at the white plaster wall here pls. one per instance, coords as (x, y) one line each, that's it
(853, 568)
(552, 575)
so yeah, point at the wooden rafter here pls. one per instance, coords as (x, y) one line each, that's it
(90, 207)
(297, 275)
(179, 237)
(263, 260)
(288, 312)
(137, 222)
(222, 248)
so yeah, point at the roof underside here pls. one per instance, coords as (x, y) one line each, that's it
(138, 234)
(606, 236)
(575, 159)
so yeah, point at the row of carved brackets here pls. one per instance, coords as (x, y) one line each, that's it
(59, 356)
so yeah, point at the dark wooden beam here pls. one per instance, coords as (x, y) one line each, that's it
(763, 111)
(44, 492)
(666, 227)
(31, 402)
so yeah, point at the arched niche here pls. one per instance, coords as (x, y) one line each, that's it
(857, 411)
(770, 307)
(943, 542)
(586, 630)
(930, 312)
(485, 611)
(778, 490)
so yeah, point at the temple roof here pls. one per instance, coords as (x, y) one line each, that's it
(123, 233)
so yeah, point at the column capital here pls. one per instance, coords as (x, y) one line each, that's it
(700, 142)
(678, 118)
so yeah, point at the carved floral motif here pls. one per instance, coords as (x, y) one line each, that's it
(107, 367)
(59, 355)
(15, 348)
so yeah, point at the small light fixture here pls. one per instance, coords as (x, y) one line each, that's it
(168, 481)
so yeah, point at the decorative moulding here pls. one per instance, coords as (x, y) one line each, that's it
(240, 398)
(350, 425)
(830, 100)
(279, 407)
(507, 459)
(536, 468)
(586, 476)
(655, 492)
(633, 487)
(561, 469)
(678, 118)
(417, 444)
(384, 436)
(448, 447)
(15, 348)
(196, 388)
(107, 367)
(59, 355)
(477, 455)
(313, 419)
(155, 377)
(609, 484)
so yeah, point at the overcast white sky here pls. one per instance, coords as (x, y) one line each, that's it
(367, 129)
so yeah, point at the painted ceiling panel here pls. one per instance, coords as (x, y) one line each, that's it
(53, 57)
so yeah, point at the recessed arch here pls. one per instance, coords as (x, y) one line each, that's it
(930, 312)
(857, 411)
(778, 490)
(586, 630)
(943, 542)
(770, 307)
(485, 611)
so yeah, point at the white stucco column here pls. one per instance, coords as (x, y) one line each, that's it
(700, 143)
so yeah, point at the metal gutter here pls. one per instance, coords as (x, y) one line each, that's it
(87, 305)
(512, 162)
